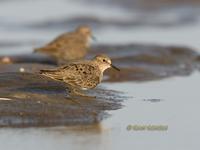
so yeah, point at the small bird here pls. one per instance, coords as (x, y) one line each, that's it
(81, 75)
(69, 46)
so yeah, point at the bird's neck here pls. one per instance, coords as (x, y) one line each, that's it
(101, 67)
(86, 39)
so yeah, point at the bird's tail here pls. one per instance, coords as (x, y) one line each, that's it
(52, 73)
(47, 71)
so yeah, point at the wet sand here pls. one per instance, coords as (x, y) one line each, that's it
(28, 100)
(168, 49)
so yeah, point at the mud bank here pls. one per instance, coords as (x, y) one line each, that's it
(33, 100)
(137, 62)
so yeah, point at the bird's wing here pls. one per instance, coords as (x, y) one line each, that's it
(58, 73)
(57, 43)
(81, 75)
(64, 37)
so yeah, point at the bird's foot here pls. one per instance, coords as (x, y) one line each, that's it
(77, 94)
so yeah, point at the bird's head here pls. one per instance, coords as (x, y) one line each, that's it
(85, 31)
(104, 62)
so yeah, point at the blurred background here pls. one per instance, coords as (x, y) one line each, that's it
(27, 24)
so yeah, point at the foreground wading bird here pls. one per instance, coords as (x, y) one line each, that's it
(69, 46)
(81, 75)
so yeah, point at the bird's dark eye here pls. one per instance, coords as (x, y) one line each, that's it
(104, 60)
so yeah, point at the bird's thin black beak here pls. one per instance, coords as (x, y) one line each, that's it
(115, 67)
(93, 38)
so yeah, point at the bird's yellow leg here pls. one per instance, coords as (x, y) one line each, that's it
(76, 92)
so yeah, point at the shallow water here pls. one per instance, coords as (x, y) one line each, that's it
(173, 102)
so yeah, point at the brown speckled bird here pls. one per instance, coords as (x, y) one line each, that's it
(81, 75)
(69, 46)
